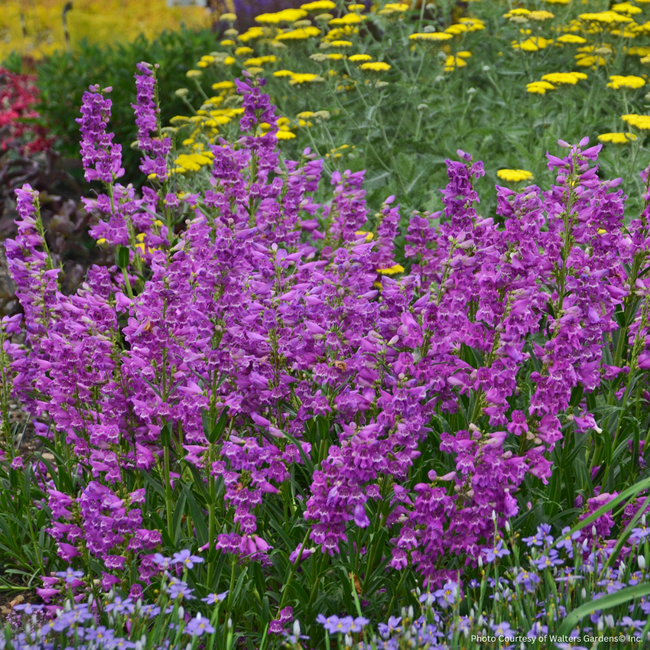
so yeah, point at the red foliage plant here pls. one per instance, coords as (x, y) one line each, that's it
(19, 129)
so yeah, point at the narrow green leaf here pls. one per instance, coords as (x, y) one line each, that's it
(607, 602)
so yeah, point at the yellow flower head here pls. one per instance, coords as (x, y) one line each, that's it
(519, 12)
(454, 62)
(620, 81)
(227, 42)
(473, 24)
(260, 60)
(356, 58)
(605, 18)
(341, 43)
(347, 19)
(283, 73)
(567, 78)
(617, 138)
(319, 5)
(305, 77)
(393, 7)
(298, 34)
(193, 74)
(251, 34)
(363, 233)
(626, 8)
(375, 66)
(571, 39)
(514, 175)
(456, 30)
(541, 15)
(431, 36)
(284, 16)
(585, 61)
(357, 6)
(641, 122)
(285, 135)
(305, 115)
(223, 85)
(244, 51)
(639, 51)
(228, 17)
(539, 87)
(532, 44)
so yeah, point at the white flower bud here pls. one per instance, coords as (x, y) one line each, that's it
(641, 562)
(296, 628)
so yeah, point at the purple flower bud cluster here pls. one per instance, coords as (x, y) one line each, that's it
(147, 119)
(102, 159)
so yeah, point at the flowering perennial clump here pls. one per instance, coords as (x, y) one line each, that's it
(266, 350)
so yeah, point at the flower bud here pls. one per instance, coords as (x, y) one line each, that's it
(641, 562)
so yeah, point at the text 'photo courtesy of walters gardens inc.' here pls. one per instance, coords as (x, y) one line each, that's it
(324, 325)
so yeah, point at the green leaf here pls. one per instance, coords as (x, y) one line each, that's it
(607, 602)
(197, 517)
(122, 257)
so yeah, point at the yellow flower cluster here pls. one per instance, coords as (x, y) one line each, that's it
(375, 66)
(296, 78)
(457, 61)
(192, 162)
(532, 44)
(431, 37)
(298, 34)
(284, 16)
(552, 80)
(392, 270)
(319, 5)
(36, 29)
(641, 122)
(617, 138)
(393, 7)
(514, 175)
(625, 82)
(335, 154)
